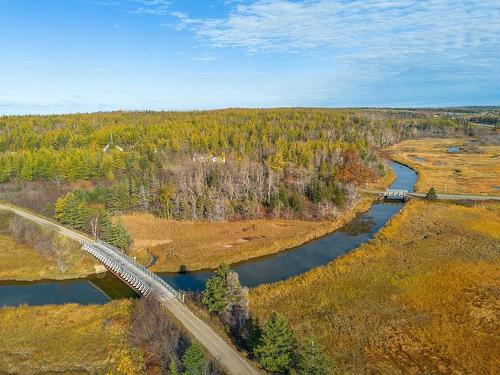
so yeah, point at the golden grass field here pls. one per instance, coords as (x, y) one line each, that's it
(67, 339)
(24, 263)
(203, 245)
(474, 170)
(422, 297)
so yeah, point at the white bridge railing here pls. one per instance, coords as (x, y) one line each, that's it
(118, 252)
(396, 194)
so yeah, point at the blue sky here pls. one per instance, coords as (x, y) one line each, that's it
(88, 55)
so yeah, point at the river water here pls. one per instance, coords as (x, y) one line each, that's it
(281, 266)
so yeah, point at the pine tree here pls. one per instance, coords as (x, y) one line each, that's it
(172, 368)
(276, 346)
(82, 215)
(60, 208)
(312, 359)
(105, 225)
(215, 296)
(121, 237)
(194, 360)
(431, 195)
(72, 210)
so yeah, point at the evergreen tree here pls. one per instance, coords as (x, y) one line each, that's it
(276, 346)
(194, 360)
(431, 195)
(105, 225)
(215, 296)
(72, 210)
(118, 236)
(60, 208)
(172, 368)
(123, 237)
(82, 215)
(312, 359)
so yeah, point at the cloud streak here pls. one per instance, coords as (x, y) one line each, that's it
(151, 7)
(366, 40)
(283, 26)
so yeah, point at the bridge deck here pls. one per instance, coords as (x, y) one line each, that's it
(148, 283)
(398, 194)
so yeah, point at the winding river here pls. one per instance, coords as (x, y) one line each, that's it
(100, 289)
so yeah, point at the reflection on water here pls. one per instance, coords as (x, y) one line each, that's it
(95, 290)
(358, 226)
(99, 289)
(313, 254)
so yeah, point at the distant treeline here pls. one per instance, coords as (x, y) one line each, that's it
(212, 165)
(489, 119)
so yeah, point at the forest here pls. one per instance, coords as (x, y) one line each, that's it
(208, 165)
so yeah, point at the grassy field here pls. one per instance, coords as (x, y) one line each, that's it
(475, 169)
(422, 297)
(202, 245)
(24, 263)
(67, 339)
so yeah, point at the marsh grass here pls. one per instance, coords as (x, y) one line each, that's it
(203, 245)
(39, 253)
(421, 297)
(66, 339)
(473, 170)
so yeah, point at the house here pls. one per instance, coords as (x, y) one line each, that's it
(209, 158)
(111, 145)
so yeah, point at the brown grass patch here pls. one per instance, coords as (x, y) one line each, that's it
(422, 297)
(21, 262)
(474, 170)
(202, 245)
(67, 339)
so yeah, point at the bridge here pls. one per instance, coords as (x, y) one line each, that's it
(148, 283)
(396, 194)
(444, 197)
(134, 274)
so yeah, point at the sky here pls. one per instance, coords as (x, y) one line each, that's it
(62, 56)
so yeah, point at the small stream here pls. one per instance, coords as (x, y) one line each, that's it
(100, 289)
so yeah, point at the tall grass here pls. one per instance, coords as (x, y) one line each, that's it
(422, 297)
(473, 170)
(68, 339)
(31, 252)
(202, 245)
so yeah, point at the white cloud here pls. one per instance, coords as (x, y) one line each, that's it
(367, 29)
(108, 3)
(152, 7)
(380, 47)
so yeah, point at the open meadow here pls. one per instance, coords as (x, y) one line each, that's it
(25, 263)
(204, 245)
(29, 252)
(421, 297)
(67, 339)
(471, 167)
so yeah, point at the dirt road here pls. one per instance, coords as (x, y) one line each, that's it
(227, 356)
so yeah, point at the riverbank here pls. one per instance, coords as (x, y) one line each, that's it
(19, 262)
(454, 165)
(30, 252)
(205, 245)
(67, 339)
(418, 298)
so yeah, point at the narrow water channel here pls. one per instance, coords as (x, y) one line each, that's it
(281, 266)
